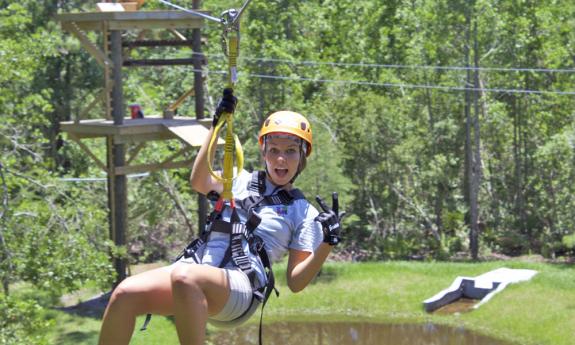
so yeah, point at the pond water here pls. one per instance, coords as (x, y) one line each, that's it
(462, 305)
(350, 333)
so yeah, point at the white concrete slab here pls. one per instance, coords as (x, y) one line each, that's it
(482, 287)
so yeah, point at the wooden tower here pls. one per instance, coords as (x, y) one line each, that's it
(114, 127)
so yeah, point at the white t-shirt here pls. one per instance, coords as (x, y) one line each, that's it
(282, 227)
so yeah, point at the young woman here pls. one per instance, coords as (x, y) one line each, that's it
(203, 286)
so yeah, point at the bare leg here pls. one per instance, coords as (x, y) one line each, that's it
(198, 291)
(147, 292)
(188, 291)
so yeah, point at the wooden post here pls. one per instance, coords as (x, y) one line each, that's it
(199, 97)
(112, 25)
(117, 189)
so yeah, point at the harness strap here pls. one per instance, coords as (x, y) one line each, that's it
(258, 183)
(240, 258)
(238, 232)
(281, 198)
(191, 250)
(270, 286)
(235, 252)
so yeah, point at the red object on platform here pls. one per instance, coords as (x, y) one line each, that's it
(136, 111)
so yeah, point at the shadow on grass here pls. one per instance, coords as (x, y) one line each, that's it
(77, 337)
(563, 265)
(93, 307)
(325, 275)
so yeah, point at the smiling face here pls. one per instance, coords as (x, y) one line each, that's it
(282, 157)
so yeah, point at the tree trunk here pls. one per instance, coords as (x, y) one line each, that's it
(476, 163)
(467, 174)
(5, 256)
(439, 195)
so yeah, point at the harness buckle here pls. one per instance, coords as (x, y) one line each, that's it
(256, 244)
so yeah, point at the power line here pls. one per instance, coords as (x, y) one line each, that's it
(399, 66)
(395, 85)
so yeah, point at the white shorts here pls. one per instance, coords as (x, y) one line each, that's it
(241, 304)
(240, 299)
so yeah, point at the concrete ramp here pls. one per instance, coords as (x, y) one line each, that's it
(482, 287)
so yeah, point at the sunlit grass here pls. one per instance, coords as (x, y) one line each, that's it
(541, 311)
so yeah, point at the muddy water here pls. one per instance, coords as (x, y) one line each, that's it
(462, 305)
(293, 333)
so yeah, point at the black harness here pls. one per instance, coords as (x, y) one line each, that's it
(240, 232)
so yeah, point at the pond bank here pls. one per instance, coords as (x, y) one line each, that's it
(540, 311)
(352, 333)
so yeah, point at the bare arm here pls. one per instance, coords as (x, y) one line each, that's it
(303, 266)
(201, 179)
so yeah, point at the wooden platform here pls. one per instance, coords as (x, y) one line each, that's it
(186, 129)
(189, 131)
(131, 20)
(103, 35)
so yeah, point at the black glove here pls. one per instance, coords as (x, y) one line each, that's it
(329, 220)
(227, 104)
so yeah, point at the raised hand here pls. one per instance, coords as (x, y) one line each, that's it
(227, 104)
(329, 220)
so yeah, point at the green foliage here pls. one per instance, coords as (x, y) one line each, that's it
(569, 241)
(158, 228)
(57, 239)
(388, 112)
(21, 322)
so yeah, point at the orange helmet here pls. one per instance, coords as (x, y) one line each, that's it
(288, 122)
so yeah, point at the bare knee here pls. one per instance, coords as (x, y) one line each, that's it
(123, 295)
(186, 277)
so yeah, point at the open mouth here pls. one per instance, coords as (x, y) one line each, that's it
(281, 172)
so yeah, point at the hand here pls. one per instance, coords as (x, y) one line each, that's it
(329, 220)
(227, 104)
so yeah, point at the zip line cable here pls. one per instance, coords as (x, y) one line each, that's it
(233, 153)
(196, 13)
(392, 85)
(398, 66)
(414, 86)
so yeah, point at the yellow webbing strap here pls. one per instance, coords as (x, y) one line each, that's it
(232, 143)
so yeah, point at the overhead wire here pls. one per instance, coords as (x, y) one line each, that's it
(394, 85)
(399, 66)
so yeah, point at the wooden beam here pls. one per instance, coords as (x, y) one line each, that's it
(156, 43)
(158, 62)
(135, 152)
(182, 98)
(90, 46)
(100, 97)
(86, 149)
(140, 138)
(191, 135)
(108, 84)
(141, 168)
(178, 35)
(165, 164)
(177, 154)
(188, 130)
(134, 20)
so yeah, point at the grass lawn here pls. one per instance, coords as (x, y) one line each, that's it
(541, 311)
